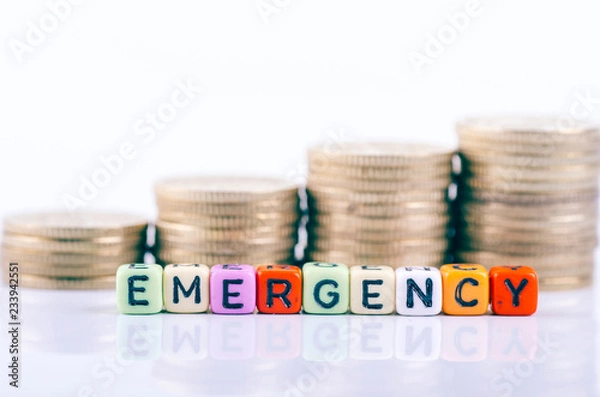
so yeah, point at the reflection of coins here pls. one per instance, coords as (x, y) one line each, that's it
(379, 203)
(72, 251)
(528, 193)
(226, 220)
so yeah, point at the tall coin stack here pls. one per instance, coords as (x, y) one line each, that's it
(215, 220)
(379, 203)
(528, 195)
(72, 251)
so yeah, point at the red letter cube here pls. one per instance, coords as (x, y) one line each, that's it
(513, 290)
(279, 289)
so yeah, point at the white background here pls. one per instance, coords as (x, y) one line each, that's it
(312, 71)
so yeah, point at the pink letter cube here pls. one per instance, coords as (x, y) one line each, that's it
(232, 289)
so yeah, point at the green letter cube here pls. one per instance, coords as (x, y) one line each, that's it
(139, 288)
(325, 288)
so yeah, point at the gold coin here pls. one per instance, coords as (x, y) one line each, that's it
(351, 222)
(224, 189)
(271, 220)
(547, 236)
(537, 212)
(509, 185)
(44, 245)
(418, 259)
(528, 130)
(289, 206)
(389, 198)
(69, 259)
(526, 248)
(467, 193)
(228, 247)
(79, 225)
(380, 209)
(573, 222)
(264, 257)
(381, 154)
(359, 234)
(364, 185)
(565, 282)
(188, 233)
(396, 174)
(547, 261)
(476, 156)
(503, 174)
(66, 283)
(379, 249)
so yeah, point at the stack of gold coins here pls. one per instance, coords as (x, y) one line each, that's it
(528, 195)
(56, 250)
(226, 219)
(379, 203)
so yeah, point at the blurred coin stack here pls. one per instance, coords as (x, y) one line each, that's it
(72, 250)
(528, 195)
(379, 203)
(215, 220)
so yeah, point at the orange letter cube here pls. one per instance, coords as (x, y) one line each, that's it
(278, 289)
(513, 290)
(465, 290)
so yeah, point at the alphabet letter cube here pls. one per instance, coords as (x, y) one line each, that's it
(232, 289)
(139, 288)
(185, 288)
(418, 291)
(372, 289)
(466, 289)
(279, 289)
(326, 288)
(513, 290)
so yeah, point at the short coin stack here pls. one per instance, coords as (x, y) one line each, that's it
(57, 250)
(214, 220)
(379, 203)
(528, 195)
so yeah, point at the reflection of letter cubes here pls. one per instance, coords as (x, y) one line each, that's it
(466, 289)
(139, 288)
(325, 288)
(513, 290)
(185, 288)
(232, 289)
(372, 289)
(279, 289)
(418, 291)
